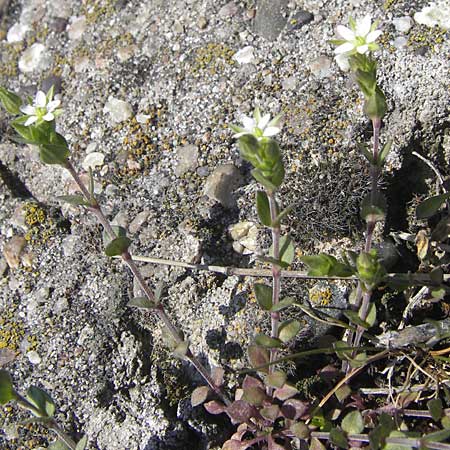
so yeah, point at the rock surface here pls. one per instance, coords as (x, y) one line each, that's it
(148, 90)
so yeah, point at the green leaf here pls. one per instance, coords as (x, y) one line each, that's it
(260, 178)
(82, 443)
(263, 208)
(258, 357)
(374, 209)
(366, 153)
(399, 434)
(384, 152)
(371, 315)
(379, 434)
(437, 436)
(436, 409)
(288, 330)
(359, 360)
(181, 349)
(263, 295)
(375, 105)
(142, 302)
(445, 422)
(42, 401)
(343, 392)
(76, 200)
(117, 246)
(10, 101)
(300, 430)
(342, 350)
(324, 265)
(283, 304)
(353, 423)
(53, 147)
(431, 205)
(6, 388)
(337, 437)
(286, 249)
(199, 395)
(354, 317)
(276, 379)
(266, 341)
(58, 445)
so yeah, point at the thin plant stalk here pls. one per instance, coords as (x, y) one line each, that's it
(363, 305)
(159, 310)
(276, 274)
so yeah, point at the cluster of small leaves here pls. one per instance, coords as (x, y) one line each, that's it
(39, 403)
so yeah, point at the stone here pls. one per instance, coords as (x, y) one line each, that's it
(202, 22)
(58, 24)
(3, 266)
(271, 18)
(17, 32)
(125, 53)
(228, 10)
(138, 221)
(52, 80)
(33, 357)
(245, 237)
(320, 67)
(245, 55)
(13, 249)
(119, 110)
(300, 19)
(289, 84)
(187, 159)
(69, 245)
(142, 118)
(93, 160)
(76, 28)
(221, 183)
(33, 58)
(400, 42)
(402, 24)
(434, 14)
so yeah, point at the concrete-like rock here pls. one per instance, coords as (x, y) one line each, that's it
(119, 110)
(271, 18)
(13, 250)
(187, 159)
(33, 58)
(221, 183)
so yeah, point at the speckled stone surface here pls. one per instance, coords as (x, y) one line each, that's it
(140, 83)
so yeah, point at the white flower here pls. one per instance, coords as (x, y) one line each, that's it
(359, 38)
(43, 108)
(259, 126)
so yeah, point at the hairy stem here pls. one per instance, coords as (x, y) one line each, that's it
(362, 301)
(276, 274)
(160, 311)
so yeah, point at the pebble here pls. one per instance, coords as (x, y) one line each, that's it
(300, 19)
(138, 221)
(58, 24)
(34, 357)
(402, 24)
(119, 110)
(245, 237)
(228, 10)
(17, 32)
(289, 84)
(270, 18)
(320, 67)
(400, 42)
(125, 53)
(52, 80)
(187, 159)
(142, 118)
(76, 27)
(221, 183)
(69, 245)
(245, 55)
(93, 160)
(202, 22)
(3, 266)
(18, 218)
(33, 58)
(13, 249)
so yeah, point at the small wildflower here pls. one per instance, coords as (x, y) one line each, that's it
(259, 126)
(359, 38)
(42, 109)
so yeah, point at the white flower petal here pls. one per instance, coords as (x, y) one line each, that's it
(271, 131)
(345, 33)
(48, 117)
(53, 105)
(344, 48)
(363, 26)
(373, 36)
(248, 123)
(342, 62)
(40, 100)
(28, 110)
(362, 49)
(263, 122)
(30, 120)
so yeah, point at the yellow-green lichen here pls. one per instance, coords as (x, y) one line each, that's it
(213, 57)
(320, 295)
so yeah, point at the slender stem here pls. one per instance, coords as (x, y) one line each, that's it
(160, 311)
(370, 227)
(416, 278)
(62, 435)
(276, 274)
